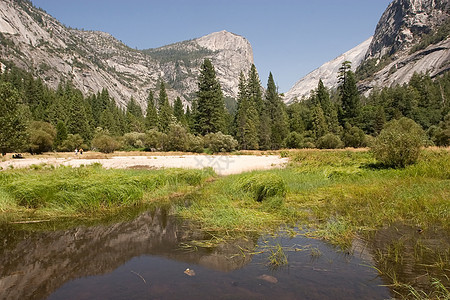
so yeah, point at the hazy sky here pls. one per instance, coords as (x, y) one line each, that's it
(289, 38)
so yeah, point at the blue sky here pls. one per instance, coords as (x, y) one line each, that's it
(289, 38)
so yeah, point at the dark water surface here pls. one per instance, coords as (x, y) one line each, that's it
(145, 259)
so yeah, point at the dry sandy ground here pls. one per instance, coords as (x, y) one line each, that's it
(222, 164)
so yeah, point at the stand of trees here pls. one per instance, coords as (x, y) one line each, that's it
(36, 118)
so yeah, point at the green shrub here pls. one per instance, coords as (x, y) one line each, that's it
(105, 143)
(73, 141)
(329, 141)
(134, 139)
(154, 140)
(42, 136)
(399, 143)
(262, 185)
(441, 134)
(195, 143)
(219, 142)
(354, 137)
(294, 140)
(177, 138)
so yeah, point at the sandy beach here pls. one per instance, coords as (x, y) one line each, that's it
(222, 164)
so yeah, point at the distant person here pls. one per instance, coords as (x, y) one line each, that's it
(76, 151)
(81, 151)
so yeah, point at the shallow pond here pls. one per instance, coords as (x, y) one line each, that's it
(147, 258)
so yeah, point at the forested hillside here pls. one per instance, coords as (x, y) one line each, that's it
(37, 118)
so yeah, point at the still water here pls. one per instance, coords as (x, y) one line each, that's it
(147, 258)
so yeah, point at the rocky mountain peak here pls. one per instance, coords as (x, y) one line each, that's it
(403, 22)
(94, 60)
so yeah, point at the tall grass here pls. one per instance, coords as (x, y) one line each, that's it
(90, 189)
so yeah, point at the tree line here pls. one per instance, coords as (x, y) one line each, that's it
(37, 118)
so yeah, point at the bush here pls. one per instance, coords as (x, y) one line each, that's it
(105, 143)
(219, 142)
(177, 138)
(441, 134)
(294, 140)
(329, 141)
(134, 139)
(155, 140)
(399, 143)
(42, 136)
(195, 143)
(354, 137)
(262, 185)
(73, 141)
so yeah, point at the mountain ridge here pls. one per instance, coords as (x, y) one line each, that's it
(389, 58)
(35, 41)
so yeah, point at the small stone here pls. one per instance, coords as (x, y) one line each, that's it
(268, 278)
(189, 272)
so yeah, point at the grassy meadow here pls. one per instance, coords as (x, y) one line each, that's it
(336, 195)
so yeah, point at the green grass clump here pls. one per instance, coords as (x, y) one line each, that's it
(261, 185)
(90, 189)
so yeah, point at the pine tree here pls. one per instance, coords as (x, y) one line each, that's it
(134, 117)
(164, 109)
(210, 106)
(178, 111)
(246, 120)
(255, 99)
(348, 92)
(61, 134)
(13, 127)
(329, 110)
(99, 103)
(134, 108)
(76, 114)
(279, 128)
(189, 119)
(151, 117)
(380, 119)
(319, 124)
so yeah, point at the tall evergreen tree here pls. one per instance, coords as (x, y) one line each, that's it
(61, 134)
(164, 109)
(12, 119)
(319, 124)
(328, 108)
(134, 116)
(348, 92)
(209, 116)
(151, 117)
(77, 122)
(134, 108)
(247, 117)
(279, 128)
(99, 103)
(178, 111)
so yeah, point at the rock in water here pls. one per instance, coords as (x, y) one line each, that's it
(189, 272)
(268, 278)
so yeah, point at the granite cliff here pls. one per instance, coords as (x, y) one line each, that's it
(35, 41)
(411, 36)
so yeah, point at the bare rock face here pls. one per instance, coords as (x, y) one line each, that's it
(399, 29)
(92, 60)
(328, 72)
(433, 60)
(402, 24)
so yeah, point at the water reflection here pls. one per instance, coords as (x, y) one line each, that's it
(33, 265)
(142, 259)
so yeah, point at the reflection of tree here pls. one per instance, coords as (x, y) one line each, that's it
(33, 265)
